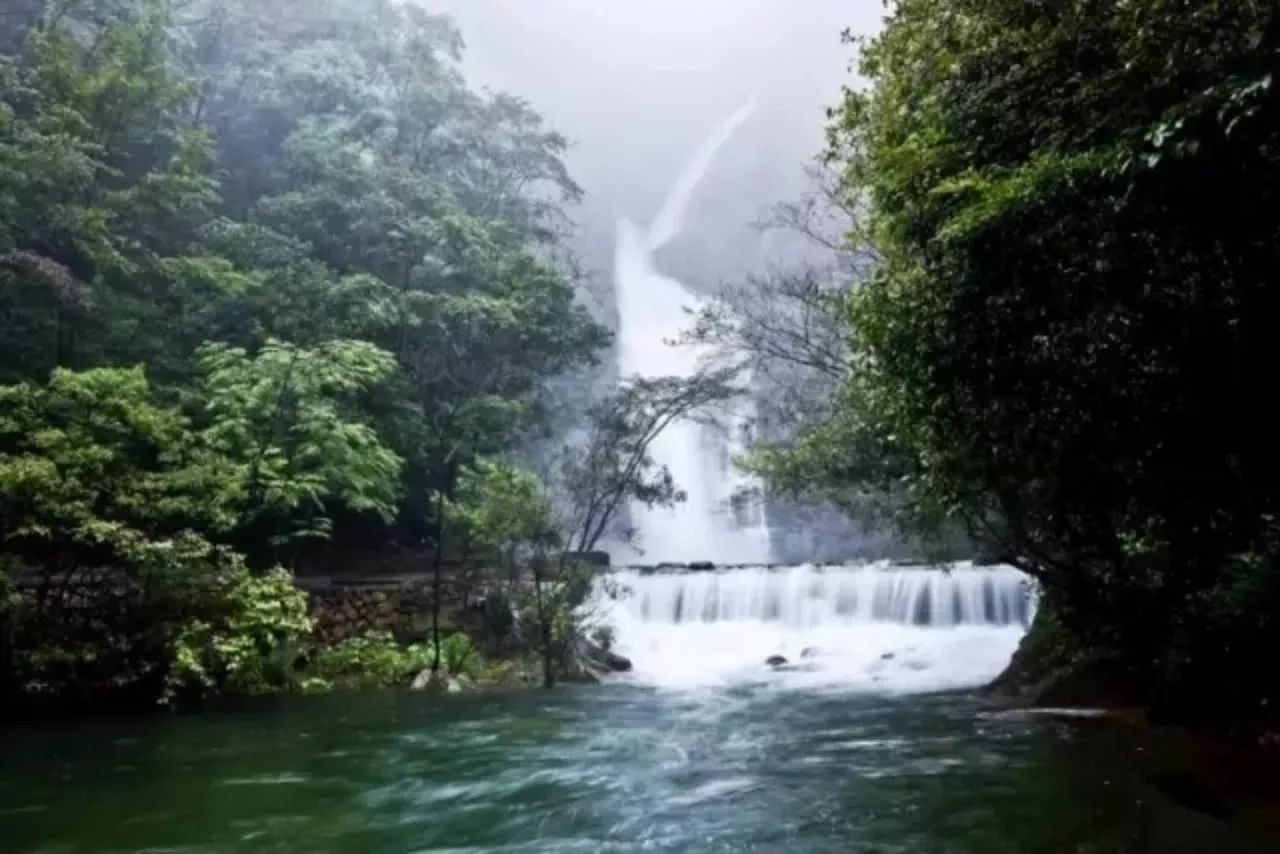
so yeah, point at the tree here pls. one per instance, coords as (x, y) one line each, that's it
(341, 264)
(511, 518)
(287, 424)
(612, 465)
(98, 481)
(1073, 293)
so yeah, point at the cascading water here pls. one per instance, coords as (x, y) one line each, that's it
(875, 627)
(880, 628)
(653, 309)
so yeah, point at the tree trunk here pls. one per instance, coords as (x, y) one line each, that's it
(544, 628)
(437, 564)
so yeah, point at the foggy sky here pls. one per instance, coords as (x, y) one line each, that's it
(637, 84)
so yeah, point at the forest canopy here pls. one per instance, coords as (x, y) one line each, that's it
(1065, 337)
(271, 276)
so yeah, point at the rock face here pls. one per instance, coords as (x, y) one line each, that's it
(596, 662)
(776, 661)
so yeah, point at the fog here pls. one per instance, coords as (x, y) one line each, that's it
(637, 85)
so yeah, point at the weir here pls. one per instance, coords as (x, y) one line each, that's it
(877, 626)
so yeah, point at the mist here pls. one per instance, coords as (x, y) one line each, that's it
(637, 86)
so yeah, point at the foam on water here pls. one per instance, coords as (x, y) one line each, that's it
(873, 627)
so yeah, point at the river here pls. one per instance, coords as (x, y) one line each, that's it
(855, 747)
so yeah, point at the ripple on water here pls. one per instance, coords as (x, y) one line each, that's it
(267, 780)
(594, 769)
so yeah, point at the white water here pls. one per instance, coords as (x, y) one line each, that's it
(653, 310)
(871, 627)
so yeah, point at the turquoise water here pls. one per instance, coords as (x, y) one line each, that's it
(594, 768)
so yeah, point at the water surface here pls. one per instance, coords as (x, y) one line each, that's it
(621, 767)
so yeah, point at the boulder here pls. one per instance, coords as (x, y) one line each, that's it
(776, 661)
(809, 652)
(424, 681)
(889, 656)
(440, 683)
(596, 662)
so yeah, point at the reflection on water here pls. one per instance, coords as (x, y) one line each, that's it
(602, 768)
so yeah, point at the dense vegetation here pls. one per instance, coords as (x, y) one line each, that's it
(272, 277)
(1064, 337)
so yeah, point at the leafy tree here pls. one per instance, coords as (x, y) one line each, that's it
(286, 422)
(341, 265)
(1073, 210)
(512, 516)
(612, 465)
(103, 181)
(91, 464)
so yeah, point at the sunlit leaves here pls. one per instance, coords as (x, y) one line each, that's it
(287, 418)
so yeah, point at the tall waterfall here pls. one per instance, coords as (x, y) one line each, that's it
(875, 626)
(653, 310)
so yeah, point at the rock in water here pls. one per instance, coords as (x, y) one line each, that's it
(440, 683)
(595, 661)
(616, 663)
(776, 661)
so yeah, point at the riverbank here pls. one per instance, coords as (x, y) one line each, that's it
(1221, 767)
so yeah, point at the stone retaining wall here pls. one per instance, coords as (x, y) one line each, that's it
(340, 607)
(348, 607)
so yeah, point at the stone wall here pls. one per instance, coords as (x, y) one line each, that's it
(343, 608)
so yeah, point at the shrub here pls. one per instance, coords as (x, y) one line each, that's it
(249, 647)
(370, 660)
(459, 657)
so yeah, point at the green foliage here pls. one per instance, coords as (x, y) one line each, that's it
(90, 465)
(506, 509)
(247, 645)
(370, 660)
(460, 657)
(287, 420)
(331, 254)
(376, 660)
(1074, 287)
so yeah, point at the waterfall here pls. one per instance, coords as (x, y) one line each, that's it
(875, 626)
(713, 523)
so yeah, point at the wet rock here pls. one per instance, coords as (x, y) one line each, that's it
(424, 681)
(440, 683)
(776, 661)
(594, 662)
